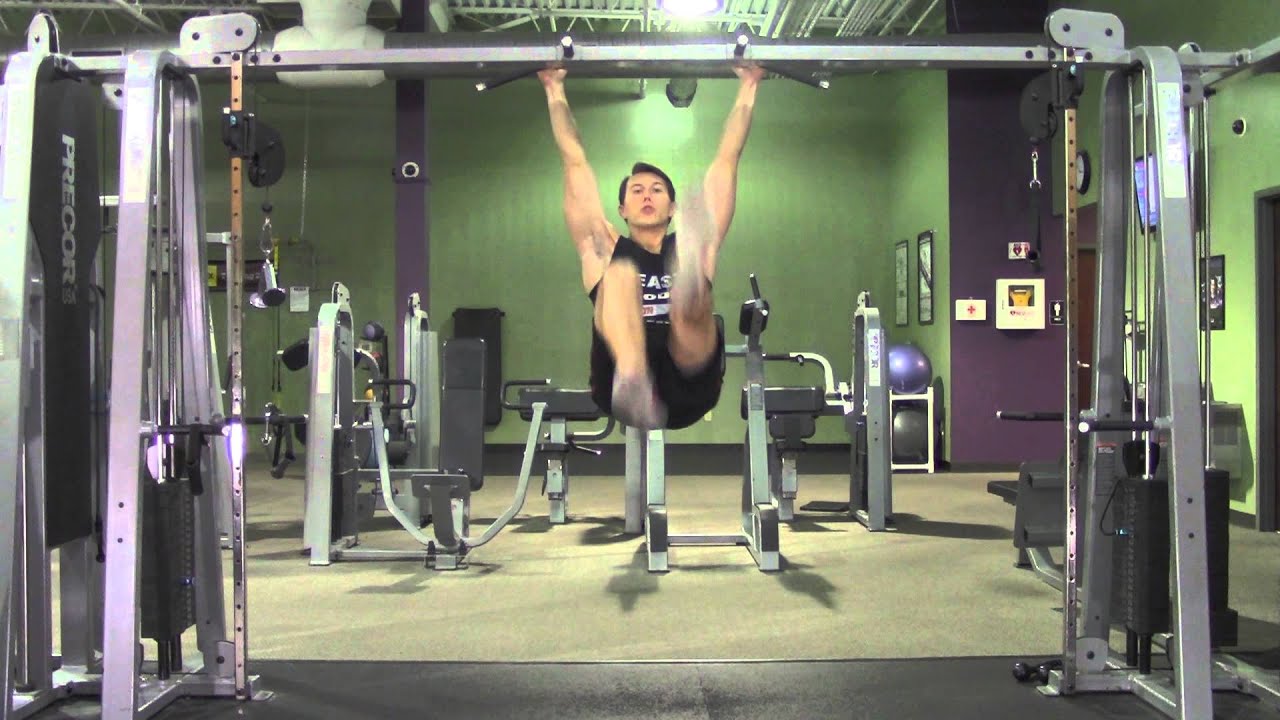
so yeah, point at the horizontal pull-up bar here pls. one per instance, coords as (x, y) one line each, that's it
(490, 57)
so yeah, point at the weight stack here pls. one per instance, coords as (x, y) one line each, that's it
(1224, 623)
(858, 479)
(486, 324)
(1142, 556)
(168, 600)
(1142, 563)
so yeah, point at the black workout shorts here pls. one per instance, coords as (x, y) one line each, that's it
(687, 398)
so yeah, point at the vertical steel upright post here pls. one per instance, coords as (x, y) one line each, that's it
(131, 306)
(1176, 283)
(1070, 563)
(23, 75)
(235, 328)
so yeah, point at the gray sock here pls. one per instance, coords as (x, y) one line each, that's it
(636, 403)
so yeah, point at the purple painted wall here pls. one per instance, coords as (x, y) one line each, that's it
(412, 199)
(989, 171)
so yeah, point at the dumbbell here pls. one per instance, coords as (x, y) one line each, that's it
(1024, 671)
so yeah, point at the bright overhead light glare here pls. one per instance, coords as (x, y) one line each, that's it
(690, 8)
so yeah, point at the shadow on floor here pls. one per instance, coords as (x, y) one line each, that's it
(916, 525)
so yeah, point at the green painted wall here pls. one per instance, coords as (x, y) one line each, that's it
(1239, 168)
(919, 201)
(344, 137)
(813, 186)
(814, 221)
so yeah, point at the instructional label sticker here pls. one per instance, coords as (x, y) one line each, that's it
(137, 150)
(1174, 178)
(873, 359)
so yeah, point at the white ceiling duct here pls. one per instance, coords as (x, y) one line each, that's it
(332, 25)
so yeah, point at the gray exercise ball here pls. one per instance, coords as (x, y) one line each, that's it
(910, 434)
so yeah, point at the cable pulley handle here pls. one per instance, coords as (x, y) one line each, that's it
(408, 402)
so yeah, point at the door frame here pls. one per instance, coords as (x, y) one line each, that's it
(1265, 482)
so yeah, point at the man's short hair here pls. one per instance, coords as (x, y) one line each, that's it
(643, 167)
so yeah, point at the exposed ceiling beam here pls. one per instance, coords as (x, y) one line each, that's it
(923, 15)
(193, 8)
(888, 25)
(440, 15)
(769, 18)
(132, 10)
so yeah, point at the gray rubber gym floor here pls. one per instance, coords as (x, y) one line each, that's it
(565, 621)
(956, 689)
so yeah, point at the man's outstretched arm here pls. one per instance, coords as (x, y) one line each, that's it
(583, 211)
(721, 182)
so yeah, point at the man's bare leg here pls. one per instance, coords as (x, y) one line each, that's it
(619, 321)
(693, 330)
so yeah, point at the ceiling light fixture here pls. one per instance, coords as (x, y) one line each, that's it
(691, 8)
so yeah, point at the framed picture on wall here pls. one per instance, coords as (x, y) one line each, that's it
(1216, 292)
(901, 260)
(924, 260)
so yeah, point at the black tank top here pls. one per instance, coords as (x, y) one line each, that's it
(655, 278)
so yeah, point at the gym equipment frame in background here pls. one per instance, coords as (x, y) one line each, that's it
(162, 383)
(218, 45)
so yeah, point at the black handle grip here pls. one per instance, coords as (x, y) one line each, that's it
(398, 382)
(1090, 426)
(499, 82)
(214, 428)
(1030, 416)
(755, 287)
(811, 82)
(275, 421)
(194, 451)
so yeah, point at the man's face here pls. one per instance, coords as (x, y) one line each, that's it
(647, 203)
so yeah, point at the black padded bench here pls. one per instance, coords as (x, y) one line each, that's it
(791, 412)
(1006, 490)
(563, 406)
(1040, 516)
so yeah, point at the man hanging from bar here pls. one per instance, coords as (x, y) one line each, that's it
(656, 353)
